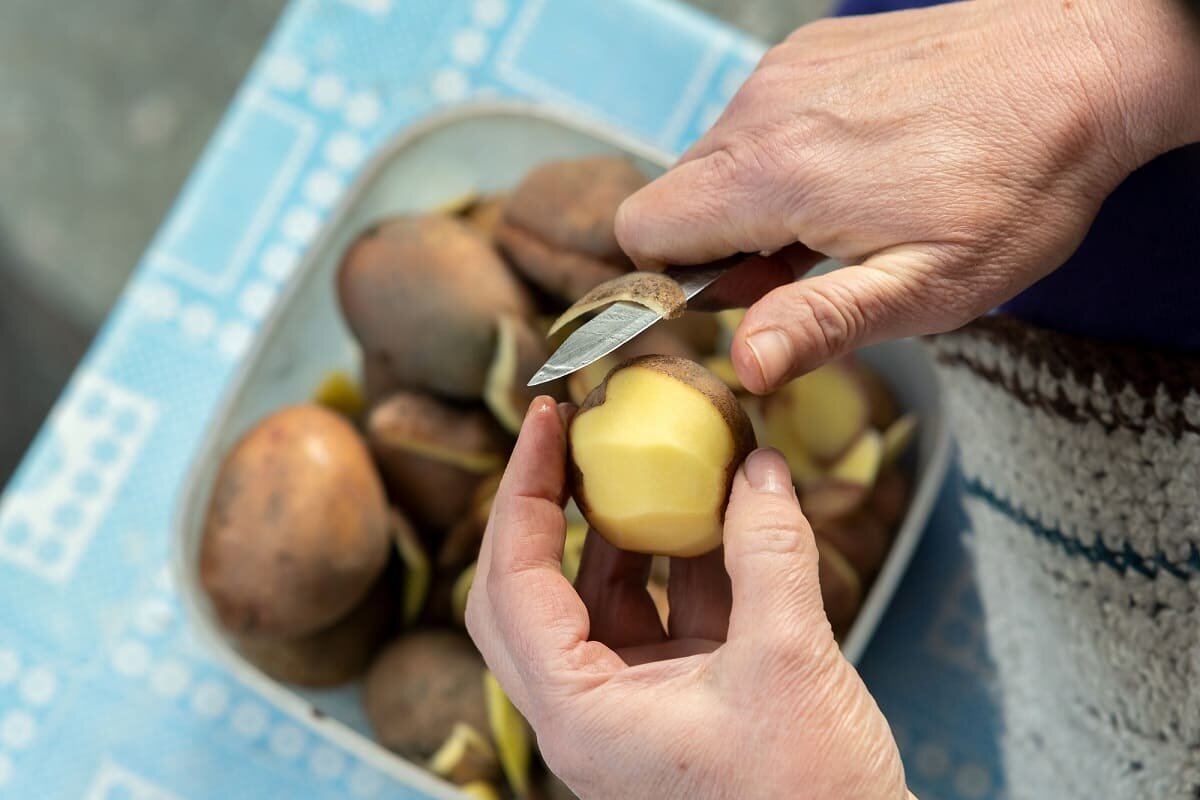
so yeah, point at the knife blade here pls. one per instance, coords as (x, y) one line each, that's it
(618, 324)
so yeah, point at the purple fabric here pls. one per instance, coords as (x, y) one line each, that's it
(1136, 277)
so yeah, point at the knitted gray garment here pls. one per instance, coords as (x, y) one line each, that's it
(1082, 467)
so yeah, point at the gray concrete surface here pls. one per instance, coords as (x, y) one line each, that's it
(106, 105)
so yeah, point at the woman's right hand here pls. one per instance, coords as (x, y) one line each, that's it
(952, 155)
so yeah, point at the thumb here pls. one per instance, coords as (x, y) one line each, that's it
(798, 327)
(771, 557)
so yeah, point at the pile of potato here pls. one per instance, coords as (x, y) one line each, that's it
(341, 534)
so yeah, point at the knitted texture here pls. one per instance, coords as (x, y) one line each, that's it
(1082, 467)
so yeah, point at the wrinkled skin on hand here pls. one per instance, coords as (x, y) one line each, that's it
(951, 156)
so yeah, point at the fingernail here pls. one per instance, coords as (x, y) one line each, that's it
(768, 472)
(773, 352)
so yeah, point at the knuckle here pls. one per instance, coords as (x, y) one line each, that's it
(826, 323)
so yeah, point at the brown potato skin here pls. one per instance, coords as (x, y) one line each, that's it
(890, 496)
(558, 225)
(421, 295)
(419, 686)
(297, 529)
(861, 538)
(336, 654)
(435, 493)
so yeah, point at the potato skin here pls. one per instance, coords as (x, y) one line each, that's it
(558, 225)
(419, 686)
(297, 528)
(421, 294)
(434, 489)
(335, 654)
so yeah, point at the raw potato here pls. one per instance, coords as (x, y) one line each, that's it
(339, 392)
(462, 541)
(889, 497)
(432, 455)
(897, 438)
(480, 790)
(653, 290)
(653, 453)
(419, 687)
(657, 341)
(841, 587)
(333, 655)
(510, 734)
(421, 295)
(520, 352)
(846, 485)
(417, 571)
(558, 223)
(297, 527)
(881, 403)
(485, 214)
(861, 538)
(459, 592)
(823, 412)
(465, 757)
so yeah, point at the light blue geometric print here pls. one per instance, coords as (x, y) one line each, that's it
(106, 692)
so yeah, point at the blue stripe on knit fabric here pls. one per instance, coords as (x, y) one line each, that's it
(1097, 552)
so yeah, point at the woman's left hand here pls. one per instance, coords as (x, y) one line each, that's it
(746, 693)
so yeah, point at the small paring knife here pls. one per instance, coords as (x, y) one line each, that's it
(618, 324)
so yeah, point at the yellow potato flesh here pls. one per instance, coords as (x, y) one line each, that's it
(826, 410)
(654, 458)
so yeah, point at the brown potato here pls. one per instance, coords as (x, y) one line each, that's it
(336, 654)
(861, 538)
(841, 587)
(421, 294)
(432, 455)
(297, 527)
(890, 496)
(485, 214)
(420, 686)
(558, 223)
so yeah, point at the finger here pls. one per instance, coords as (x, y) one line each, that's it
(754, 277)
(771, 558)
(699, 597)
(612, 584)
(699, 211)
(538, 623)
(798, 327)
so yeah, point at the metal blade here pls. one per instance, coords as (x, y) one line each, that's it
(608, 330)
(616, 325)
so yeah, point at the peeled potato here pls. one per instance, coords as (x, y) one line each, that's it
(520, 352)
(844, 487)
(558, 223)
(432, 455)
(420, 687)
(297, 527)
(421, 294)
(823, 412)
(653, 452)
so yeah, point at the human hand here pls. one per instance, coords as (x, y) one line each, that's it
(746, 694)
(951, 156)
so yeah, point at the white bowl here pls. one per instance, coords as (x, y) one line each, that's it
(476, 148)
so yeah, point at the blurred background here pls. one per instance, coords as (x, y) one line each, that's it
(106, 105)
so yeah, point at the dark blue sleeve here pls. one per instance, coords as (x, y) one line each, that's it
(1136, 277)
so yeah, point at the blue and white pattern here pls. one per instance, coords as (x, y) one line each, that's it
(105, 692)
